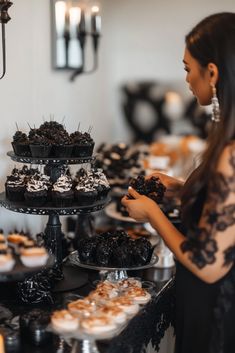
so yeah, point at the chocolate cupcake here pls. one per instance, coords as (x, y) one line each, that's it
(85, 195)
(101, 183)
(83, 144)
(62, 192)
(63, 145)
(15, 186)
(40, 146)
(20, 144)
(36, 191)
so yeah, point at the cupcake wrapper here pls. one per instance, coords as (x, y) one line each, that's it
(35, 200)
(15, 194)
(62, 199)
(22, 150)
(85, 198)
(62, 151)
(83, 150)
(40, 151)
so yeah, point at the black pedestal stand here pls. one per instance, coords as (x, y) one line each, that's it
(63, 276)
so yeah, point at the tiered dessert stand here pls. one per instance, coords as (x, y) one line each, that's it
(69, 276)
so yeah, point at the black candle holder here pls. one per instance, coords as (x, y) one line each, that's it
(4, 18)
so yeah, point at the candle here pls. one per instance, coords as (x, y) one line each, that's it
(2, 349)
(60, 13)
(74, 20)
(95, 20)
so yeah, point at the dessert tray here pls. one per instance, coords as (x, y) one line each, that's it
(102, 315)
(19, 272)
(48, 209)
(49, 160)
(114, 273)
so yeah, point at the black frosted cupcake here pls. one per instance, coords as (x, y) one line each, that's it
(15, 187)
(40, 145)
(83, 144)
(63, 145)
(20, 144)
(36, 192)
(62, 192)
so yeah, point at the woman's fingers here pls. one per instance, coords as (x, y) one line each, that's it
(132, 192)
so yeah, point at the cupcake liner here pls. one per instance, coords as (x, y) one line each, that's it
(64, 199)
(62, 151)
(15, 194)
(83, 150)
(83, 198)
(35, 199)
(40, 151)
(21, 149)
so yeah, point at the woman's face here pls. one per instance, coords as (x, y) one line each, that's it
(198, 78)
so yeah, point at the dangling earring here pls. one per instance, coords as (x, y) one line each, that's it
(215, 105)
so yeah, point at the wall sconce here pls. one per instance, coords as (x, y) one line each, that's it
(73, 22)
(4, 18)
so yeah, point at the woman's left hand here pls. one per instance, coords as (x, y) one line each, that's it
(140, 207)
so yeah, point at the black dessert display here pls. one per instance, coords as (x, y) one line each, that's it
(38, 287)
(52, 139)
(115, 249)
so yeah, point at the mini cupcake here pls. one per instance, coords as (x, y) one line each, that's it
(15, 186)
(62, 192)
(63, 320)
(20, 144)
(85, 195)
(102, 183)
(96, 325)
(62, 145)
(36, 192)
(81, 307)
(33, 256)
(40, 146)
(6, 260)
(83, 144)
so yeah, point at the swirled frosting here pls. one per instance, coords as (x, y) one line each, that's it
(63, 184)
(36, 184)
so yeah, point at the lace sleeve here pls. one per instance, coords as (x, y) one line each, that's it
(218, 216)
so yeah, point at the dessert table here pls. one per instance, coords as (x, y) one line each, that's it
(143, 333)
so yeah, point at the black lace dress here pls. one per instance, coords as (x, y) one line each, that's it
(205, 313)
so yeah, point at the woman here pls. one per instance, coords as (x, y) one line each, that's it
(205, 249)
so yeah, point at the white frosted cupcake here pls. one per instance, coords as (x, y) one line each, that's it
(126, 304)
(81, 307)
(97, 325)
(6, 261)
(63, 320)
(139, 295)
(129, 283)
(34, 256)
(114, 313)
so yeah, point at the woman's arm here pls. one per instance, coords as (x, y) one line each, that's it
(204, 252)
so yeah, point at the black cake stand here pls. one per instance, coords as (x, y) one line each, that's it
(70, 277)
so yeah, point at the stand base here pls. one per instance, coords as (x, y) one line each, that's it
(74, 278)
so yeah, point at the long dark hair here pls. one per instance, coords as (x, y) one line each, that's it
(213, 40)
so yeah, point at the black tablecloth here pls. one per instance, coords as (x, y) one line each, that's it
(147, 326)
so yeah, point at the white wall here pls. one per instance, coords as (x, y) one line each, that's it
(142, 40)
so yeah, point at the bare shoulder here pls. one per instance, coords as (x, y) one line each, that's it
(226, 162)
